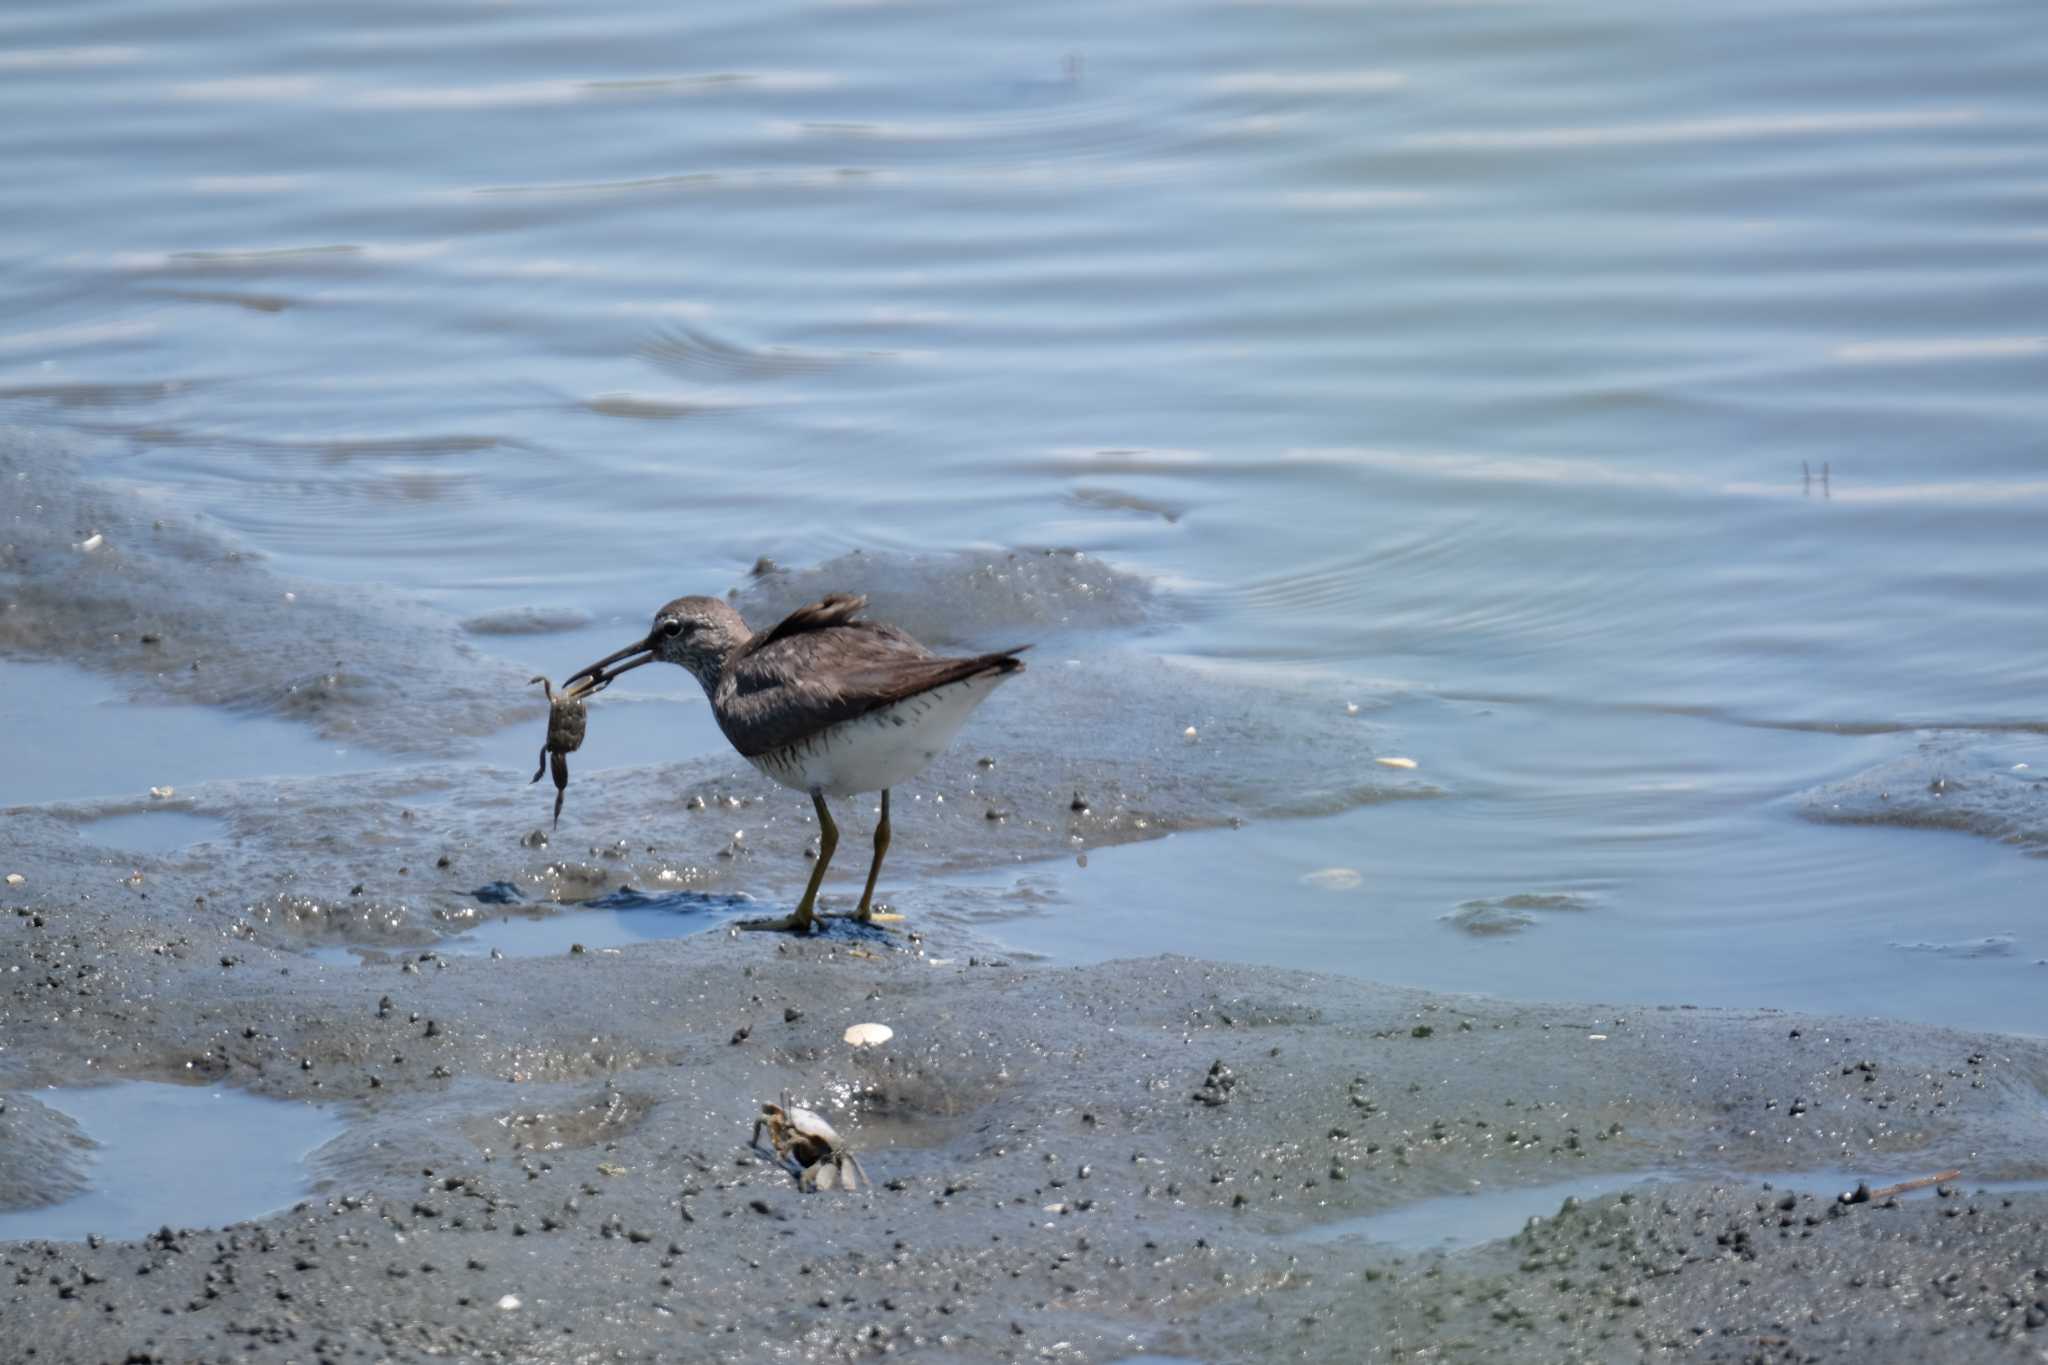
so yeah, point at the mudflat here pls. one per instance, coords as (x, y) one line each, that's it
(546, 1158)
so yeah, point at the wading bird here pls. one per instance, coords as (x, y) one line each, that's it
(825, 703)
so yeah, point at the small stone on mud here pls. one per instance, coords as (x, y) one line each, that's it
(1216, 1086)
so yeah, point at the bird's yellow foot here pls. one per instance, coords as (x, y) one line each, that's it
(864, 915)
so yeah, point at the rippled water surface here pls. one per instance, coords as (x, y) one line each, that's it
(1638, 408)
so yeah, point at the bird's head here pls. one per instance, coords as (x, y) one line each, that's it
(699, 633)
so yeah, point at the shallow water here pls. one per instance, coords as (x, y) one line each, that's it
(1666, 869)
(609, 922)
(1455, 1222)
(153, 831)
(81, 736)
(1636, 412)
(177, 1156)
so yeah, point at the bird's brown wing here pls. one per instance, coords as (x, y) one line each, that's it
(835, 610)
(820, 667)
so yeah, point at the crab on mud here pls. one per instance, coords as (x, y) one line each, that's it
(568, 718)
(810, 1147)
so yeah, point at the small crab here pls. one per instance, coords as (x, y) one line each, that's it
(568, 717)
(809, 1146)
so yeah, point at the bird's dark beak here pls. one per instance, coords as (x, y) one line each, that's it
(610, 666)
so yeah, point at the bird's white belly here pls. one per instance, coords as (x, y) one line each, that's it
(882, 748)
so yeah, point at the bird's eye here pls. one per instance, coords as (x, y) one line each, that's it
(671, 628)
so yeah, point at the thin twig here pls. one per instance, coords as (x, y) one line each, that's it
(1863, 1194)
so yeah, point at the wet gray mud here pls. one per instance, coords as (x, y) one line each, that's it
(1025, 594)
(96, 573)
(1993, 785)
(546, 1158)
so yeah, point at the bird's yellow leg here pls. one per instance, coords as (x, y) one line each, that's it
(866, 911)
(805, 916)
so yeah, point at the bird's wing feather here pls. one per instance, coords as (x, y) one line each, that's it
(778, 691)
(836, 610)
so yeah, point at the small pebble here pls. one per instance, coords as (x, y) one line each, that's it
(509, 1302)
(15, 879)
(1190, 733)
(92, 542)
(163, 793)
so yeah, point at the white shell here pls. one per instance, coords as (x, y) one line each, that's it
(812, 1125)
(869, 1035)
(1395, 762)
